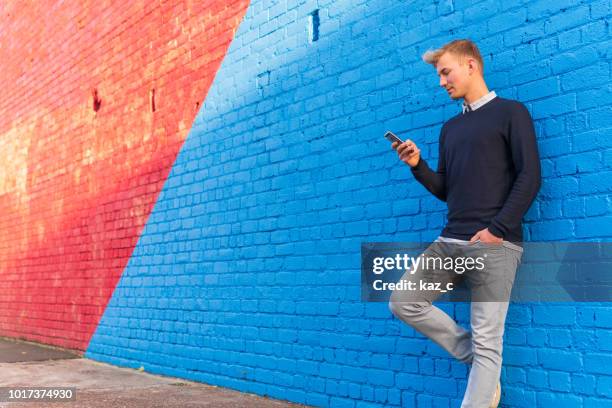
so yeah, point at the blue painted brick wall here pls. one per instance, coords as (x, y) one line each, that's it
(247, 274)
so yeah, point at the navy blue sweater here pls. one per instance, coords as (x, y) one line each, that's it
(488, 170)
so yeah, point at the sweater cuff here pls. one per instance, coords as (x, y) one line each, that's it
(495, 230)
(421, 165)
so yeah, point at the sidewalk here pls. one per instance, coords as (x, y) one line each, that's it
(101, 385)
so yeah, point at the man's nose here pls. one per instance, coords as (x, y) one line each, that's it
(442, 82)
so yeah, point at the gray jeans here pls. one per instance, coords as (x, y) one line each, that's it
(490, 293)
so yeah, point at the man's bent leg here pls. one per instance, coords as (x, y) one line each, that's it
(415, 309)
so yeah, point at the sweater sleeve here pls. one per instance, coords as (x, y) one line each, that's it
(526, 160)
(435, 182)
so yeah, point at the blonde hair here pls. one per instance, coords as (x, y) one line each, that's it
(460, 48)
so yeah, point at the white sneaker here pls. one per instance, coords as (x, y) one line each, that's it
(496, 396)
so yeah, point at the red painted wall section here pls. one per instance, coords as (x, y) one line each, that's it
(84, 154)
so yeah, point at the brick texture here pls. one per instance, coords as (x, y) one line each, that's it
(246, 274)
(77, 183)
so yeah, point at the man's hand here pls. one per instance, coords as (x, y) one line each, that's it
(486, 237)
(408, 152)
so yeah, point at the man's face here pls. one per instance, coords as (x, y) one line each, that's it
(454, 76)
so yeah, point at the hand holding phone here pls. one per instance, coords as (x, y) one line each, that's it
(392, 137)
(407, 151)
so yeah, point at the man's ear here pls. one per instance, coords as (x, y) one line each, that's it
(472, 65)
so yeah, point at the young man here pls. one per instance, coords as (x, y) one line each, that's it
(489, 174)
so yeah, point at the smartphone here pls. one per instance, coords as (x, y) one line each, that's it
(390, 136)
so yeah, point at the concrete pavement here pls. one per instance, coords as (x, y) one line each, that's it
(101, 385)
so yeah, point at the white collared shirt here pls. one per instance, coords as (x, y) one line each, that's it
(479, 102)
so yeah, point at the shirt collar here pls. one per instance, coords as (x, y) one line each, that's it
(479, 102)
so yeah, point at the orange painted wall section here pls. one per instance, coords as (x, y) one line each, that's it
(84, 154)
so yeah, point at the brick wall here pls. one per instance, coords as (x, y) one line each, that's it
(97, 100)
(246, 274)
(250, 261)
